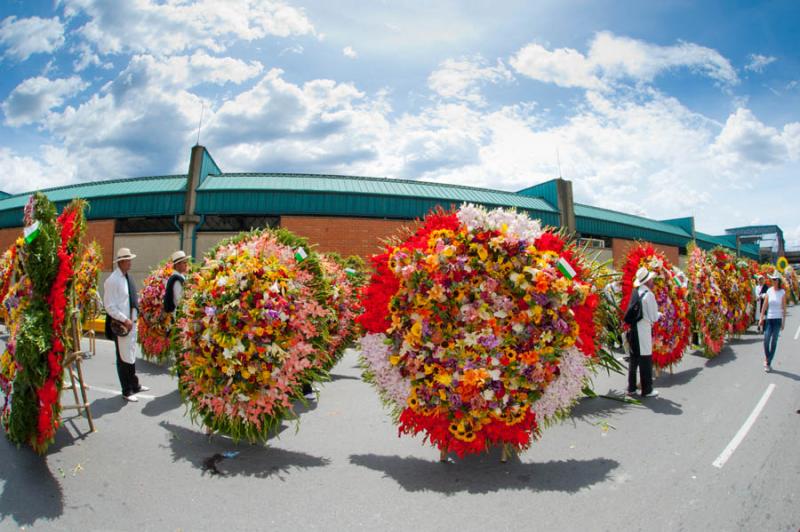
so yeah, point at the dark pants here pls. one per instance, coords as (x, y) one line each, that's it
(127, 374)
(772, 329)
(645, 365)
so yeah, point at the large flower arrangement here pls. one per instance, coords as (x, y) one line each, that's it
(14, 298)
(344, 276)
(475, 336)
(736, 284)
(86, 281)
(32, 413)
(671, 333)
(706, 301)
(154, 325)
(257, 327)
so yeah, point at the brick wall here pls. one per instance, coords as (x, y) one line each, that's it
(346, 236)
(103, 232)
(620, 246)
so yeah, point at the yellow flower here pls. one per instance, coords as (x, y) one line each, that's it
(444, 379)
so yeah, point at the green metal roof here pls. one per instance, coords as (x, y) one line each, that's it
(119, 198)
(605, 222)
(349, 196)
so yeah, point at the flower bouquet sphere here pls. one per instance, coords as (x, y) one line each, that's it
(256, 329)
(479, 329)
(736, 285)
(344, 278)
(154, 324)
(86, 280)
(706, 300)
(671, 333)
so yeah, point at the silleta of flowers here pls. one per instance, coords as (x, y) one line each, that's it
(671, 333)
(344, 277)
(479, 329)
(153, 326)
(737, 290)
(257, 329)
(706, 301)
(87, 278)
(48, 259)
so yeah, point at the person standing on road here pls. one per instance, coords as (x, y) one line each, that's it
(174, 289)
(122, 304)
(759, 291)
(642, 344)
(774, 310)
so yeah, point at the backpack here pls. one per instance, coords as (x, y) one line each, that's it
(634, 312)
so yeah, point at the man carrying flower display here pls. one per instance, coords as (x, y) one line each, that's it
(642, 350)
(174, 289)
(121, 303)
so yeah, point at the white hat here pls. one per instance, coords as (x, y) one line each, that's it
(124, 254)
(775, 275)
(178, 256)
(642, 276)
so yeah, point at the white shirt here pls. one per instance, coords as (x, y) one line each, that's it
(118, 305)
(775, 303)
(177, 290)
(644, 327)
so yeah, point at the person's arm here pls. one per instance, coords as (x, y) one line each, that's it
(650, 307)
(783, 308)
(111, 301)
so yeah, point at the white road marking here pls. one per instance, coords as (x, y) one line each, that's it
(797, 334)
(728, 451)
(112, 392)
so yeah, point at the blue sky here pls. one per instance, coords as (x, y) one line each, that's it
(665, 109)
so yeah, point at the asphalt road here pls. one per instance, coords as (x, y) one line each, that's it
(614, 466)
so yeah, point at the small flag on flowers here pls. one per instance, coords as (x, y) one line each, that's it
(565, 268)
(31, 232)
(300, 254)
(350, 272)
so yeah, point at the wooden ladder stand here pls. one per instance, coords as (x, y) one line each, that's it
(72, 365)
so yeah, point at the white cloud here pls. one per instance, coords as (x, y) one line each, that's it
(613, 59)
(461, 78)
(148, 26)
(758, 62)
(27, 36)
(189, 71)
(31, 100)
(23, 173)
(745, 143)
(564, 67)
(349, 52)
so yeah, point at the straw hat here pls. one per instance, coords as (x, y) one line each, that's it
(642, 276)
(124, 254)
(178, 256)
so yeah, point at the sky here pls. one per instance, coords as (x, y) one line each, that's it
(662, 108)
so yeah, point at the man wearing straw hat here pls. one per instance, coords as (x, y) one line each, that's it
(642, 351)
(122, 304)
(174, 289)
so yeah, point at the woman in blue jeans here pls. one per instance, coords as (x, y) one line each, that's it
(774, 310)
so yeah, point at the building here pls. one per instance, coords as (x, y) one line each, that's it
(154, 216)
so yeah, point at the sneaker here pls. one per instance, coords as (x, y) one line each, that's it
(653, 393)
(131, 398)
(144, 389)
(767, 368)
(310, 396)
(630, 394)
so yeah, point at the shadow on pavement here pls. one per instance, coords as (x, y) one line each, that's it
(592, 408)
(725, 356)
(30, 491)
(337, 377)
(665, 380)
(72, 429)
(484, 473)
(748, 340)
(786, 374)
(162, 404)
(253, 460)
(107, 405)
(660, 405)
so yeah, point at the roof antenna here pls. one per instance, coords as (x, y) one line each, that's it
(558, 159)
(202, 108)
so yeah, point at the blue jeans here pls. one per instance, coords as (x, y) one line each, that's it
(772, 328)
